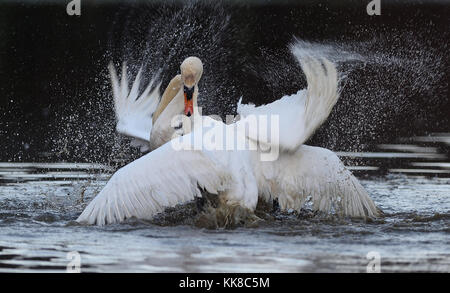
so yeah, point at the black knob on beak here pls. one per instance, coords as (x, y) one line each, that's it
(189, 92)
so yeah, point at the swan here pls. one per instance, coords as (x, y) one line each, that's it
(181, 168)
(142, 117)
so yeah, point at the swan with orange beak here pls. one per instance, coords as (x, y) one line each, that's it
(299, 176)
(146, 118)
(180, 97)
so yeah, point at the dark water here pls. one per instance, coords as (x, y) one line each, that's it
(38, 203)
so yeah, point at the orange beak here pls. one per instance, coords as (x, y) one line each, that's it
(188, 101)
(188, 106)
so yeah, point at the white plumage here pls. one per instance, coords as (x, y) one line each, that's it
(167, 177)
(160, 179)
(134, 111)
(147, 118)
(300, 114)
(315, 174)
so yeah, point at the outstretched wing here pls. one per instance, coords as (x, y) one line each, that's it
(163, 178)
(300, 114)
(134, 111)
(316, 175)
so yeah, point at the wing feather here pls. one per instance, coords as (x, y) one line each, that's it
(148, 185)
(300, 114)
(317, 175)
(134, 111)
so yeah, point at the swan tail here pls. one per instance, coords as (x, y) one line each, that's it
(133, 110)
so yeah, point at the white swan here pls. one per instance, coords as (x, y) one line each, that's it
(142, 117)
(180, 97)
(172, 175)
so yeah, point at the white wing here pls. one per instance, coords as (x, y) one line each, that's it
(316, 174)
(163, 178)
(299, 114)
(134, 111)
(302, 172)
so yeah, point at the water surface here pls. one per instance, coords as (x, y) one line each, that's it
(39, 201)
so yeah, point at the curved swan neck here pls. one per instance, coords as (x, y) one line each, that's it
(169, 94)
(191, 72)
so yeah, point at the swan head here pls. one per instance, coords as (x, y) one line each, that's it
(191, 72)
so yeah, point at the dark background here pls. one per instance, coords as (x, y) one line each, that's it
(55, 98)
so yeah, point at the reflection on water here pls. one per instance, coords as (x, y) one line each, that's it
(21, 172)
(418, 155)
(38, 202)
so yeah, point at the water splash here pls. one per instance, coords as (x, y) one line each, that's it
(388, 75)
(158, 42)
(378, 84)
